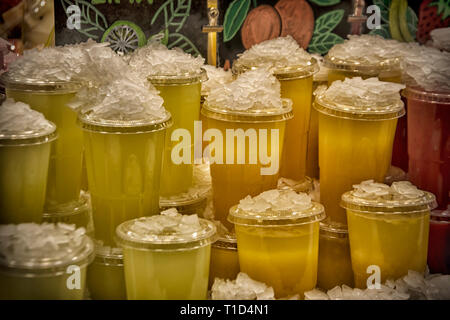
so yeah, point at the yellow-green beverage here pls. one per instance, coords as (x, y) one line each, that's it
(123, 160)
(31, 269)
(167, 256)
(24, 160)
(77, 212)
(388, 229)
(105, 275)
(181, 96)
(224, 259)
(51, 98)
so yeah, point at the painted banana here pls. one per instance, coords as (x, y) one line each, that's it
(404, 21)
(393, 20)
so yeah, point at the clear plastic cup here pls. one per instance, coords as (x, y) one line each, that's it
(105, 275)
(354, 145)
(224, 259)
(184, 204)
(305, 185)
(388, 70)
(296, 84)
(123, 160)
(78, 213)
(335, 265)
(439, 242)
(173, 266)
(181, 96)
(428, 142)
(389, 234)
(232, 182)
(279, 248)
(51, 99)
(24, 161)
(37, 277)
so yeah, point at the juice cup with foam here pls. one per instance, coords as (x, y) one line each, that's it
(278, 240)
(31, 269)
(357, 121)
(388, 229)
(51, 98)
(335, 266)
(294, 68)
(167, 256)
(105, 275)
(24, 159)
(123, 159)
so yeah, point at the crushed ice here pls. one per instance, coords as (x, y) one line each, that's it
(400, 190)
(216, 78)
(276, 200)
(441, 38)
(242, 288)
(19, 117)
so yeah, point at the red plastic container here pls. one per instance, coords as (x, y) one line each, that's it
(439, 242)
(429, 142)
(400, 149)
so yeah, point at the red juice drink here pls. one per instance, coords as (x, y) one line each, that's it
(439, 242)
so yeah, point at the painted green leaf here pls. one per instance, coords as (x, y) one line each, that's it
(443, 7)
(411, 19)
(323, 42)
(383, 31)
(92, 21)
(324, 3)
(328, 21)
(181, 41)
(384, 9)
(234, 18)
(175, 13)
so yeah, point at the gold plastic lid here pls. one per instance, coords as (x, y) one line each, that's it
(441, 216)
(387, 65)
(12, 81)
(305, 185)
(286, 73)
(90, 123)
(30, 137)
(254, 115)
(415, 93)
(179, 79)
(401, 197)
(108, 256)
(387, 112)
(333, 229)
(131, 234)
(182, 200)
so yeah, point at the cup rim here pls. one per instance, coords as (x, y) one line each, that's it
(30, 137)
(9, 81)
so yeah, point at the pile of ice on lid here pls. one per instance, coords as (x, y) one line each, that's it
(276, 200)
(216, 78)
(19, 117)
(274, 54)
(322, 74)
(156, 59)
(28, 241)
(363, 94)
(255, 89)
(413, 286)
(441, 38)
(367, 49)
(168, 223)
(243, 288)
(427, 68)
(401, 190)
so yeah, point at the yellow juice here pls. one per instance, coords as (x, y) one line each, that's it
(335, 266)
(64, 173)
(293, 161)
(394, 76)
(224, 261)
(24, 160)
(106, 278)
(170, 265)
(124, 168)
(183, 102)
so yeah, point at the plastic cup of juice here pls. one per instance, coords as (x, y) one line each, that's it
(232, 182)
(438, 243)
(78, 213)
(181, 96)
(305, 185)
(105, 275)
(388, 229)
(355, 140)
(123, 160)
(30, 269)
(278, 240)
(24, 160)
(224, 258)
(51, 99)
(335, 266)
(428, 136)
(167, 256)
